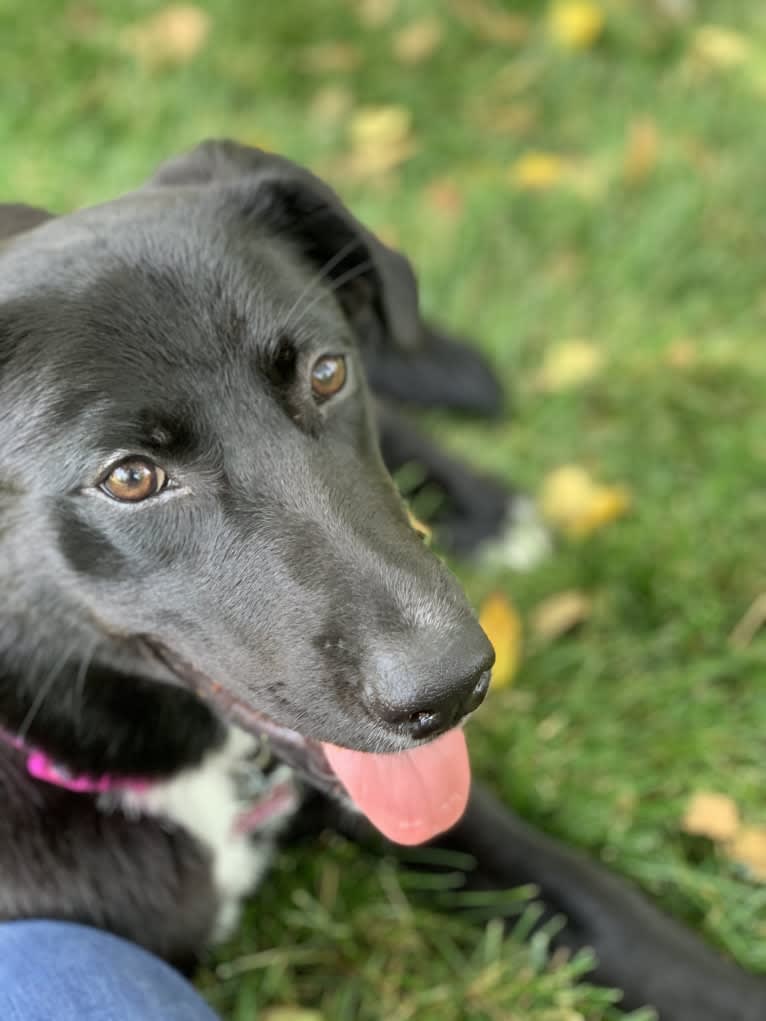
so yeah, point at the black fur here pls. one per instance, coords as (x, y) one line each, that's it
(180, 323)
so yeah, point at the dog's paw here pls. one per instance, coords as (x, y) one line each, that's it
(523, 542)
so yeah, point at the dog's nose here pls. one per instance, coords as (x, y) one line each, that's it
(427, 689)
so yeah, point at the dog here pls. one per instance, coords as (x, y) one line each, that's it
(219, 625)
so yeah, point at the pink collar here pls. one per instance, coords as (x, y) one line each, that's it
(43, 767)
(274, 804)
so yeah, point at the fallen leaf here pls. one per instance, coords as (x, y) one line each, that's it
(444, 196)
(711, 815)
(560, 614)
(576, 24)
(380, 125)
(380, 140)
(608, 504)
(676, 10)
(569, 364)
(171, 36)
(502, 625)
(681, 354)
(375, 13)
(641, 151)
(329, 57)
(572, 501)
(720, 47)
(748, 847)
(537, 171)
(331, 104)
(749, 626)
(376, 160)
(420, 527)
(490, 22)
(416, 42)
(590, 178)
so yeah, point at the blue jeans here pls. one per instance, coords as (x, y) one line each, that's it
(56, 971)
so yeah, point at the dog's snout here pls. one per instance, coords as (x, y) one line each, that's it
(427, 690)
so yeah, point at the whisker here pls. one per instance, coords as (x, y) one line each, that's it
(78, 688)
(345, 278)
(328, 266)
(43, 692)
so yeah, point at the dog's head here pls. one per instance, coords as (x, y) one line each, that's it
(188, 455)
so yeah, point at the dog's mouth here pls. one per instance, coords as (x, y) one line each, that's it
(410, 796)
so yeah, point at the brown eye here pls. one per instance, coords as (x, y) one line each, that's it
(328, 376)
(133, 480)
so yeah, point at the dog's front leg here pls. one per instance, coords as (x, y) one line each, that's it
(652, 958)
(475, 514)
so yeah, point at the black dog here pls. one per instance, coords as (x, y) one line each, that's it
(215, 608)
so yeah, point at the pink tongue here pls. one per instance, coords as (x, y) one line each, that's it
(410, 796)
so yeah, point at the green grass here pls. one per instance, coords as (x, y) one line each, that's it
(605, 734)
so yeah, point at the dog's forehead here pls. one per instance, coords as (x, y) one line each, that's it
(125, 313)
(180, 279)
(200, 239)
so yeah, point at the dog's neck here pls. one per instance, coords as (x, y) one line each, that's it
(42, 767)
(109, 715)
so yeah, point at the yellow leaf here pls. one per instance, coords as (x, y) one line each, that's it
(420, 526)
(173, 35)
(675, 10)
(607, 505)
(568, 364)
(380, 140)
(502, 625)
(641, 151)
(711, 815)
(572, 501)
(576, 24)
(374, 13)
(331, 104)
(380, 125)
(537, 171)
(748, 848)
(560, 614)
(290, 1014)
(418, 41)
(375, 160)
(720, 47)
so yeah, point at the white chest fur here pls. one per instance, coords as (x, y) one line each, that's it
(207, 802)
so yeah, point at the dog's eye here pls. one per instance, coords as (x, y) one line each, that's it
(328, 376)
(133, 480)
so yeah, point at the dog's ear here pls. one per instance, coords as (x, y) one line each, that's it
(16, 218)
(367, 274)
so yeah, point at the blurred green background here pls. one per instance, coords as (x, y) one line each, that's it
(581, 188)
